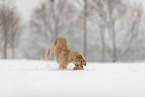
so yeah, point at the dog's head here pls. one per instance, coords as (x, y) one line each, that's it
(80, 60)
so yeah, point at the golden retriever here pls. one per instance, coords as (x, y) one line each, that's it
(63, 55)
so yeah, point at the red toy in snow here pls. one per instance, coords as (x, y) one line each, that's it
(78, 68)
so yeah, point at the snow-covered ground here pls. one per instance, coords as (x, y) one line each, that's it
(32, 78)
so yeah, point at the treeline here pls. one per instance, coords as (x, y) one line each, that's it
(9, 29)
(103, 30)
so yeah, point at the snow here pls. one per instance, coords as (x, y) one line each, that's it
(34, 78)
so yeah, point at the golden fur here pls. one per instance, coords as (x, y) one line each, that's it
(63, 55)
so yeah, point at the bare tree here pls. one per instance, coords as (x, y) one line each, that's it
(134, 30)
(99, 7)
(85, 28)
(111, 7)
(4, 28)
(9, 21)
(119, 12)
(52, 19)
(117, 22)
(15, 32)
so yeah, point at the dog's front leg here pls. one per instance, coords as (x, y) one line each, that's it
(65, 67)
(60, 67)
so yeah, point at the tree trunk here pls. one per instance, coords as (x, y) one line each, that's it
(103, 44)
(112, 29)
(5, 45)
(13, 47)
(85, 29)
(114, 41)
(5, 35)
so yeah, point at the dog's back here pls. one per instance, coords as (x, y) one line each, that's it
(56, 47)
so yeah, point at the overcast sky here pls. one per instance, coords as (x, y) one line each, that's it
(25, 7)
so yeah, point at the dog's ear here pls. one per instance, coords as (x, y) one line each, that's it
(84, 62)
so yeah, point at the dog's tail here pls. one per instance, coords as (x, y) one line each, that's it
(51, 49)
(47, 54)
